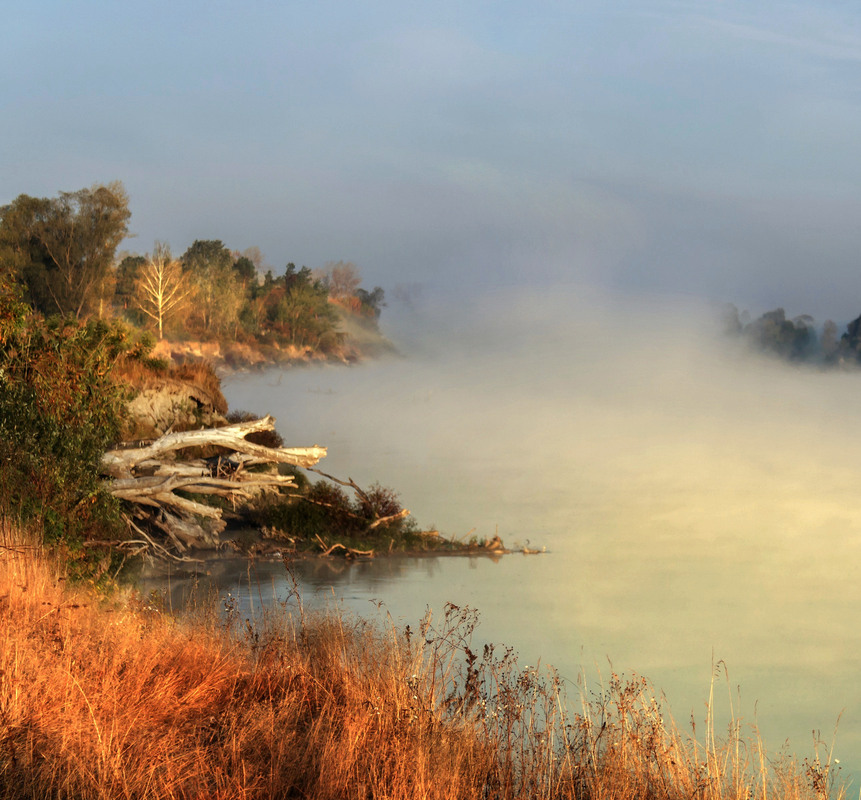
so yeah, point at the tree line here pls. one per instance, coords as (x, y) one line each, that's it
(70, 361)
(798, 338)
(62, 254)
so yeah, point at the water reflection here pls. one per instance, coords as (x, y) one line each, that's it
(320, 582)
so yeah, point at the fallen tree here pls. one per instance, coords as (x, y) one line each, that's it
(149, 477)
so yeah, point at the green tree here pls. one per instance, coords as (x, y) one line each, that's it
(373, 301)
(301, 277)
(255, 256)
(207, 256)
(62, 249)
(298, 311)
(126, 277)
(219, 294)
(59, 411)
(245, 270)
(19, 245)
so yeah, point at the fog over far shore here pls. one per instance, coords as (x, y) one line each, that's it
(698, 500)
(640, 398)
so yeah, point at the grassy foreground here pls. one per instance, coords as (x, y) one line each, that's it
(112, 699)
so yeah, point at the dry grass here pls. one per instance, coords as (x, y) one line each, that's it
(116, 700)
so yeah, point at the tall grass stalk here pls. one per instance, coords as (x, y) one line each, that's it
(112, 698)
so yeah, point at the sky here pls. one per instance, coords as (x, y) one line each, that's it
(705, 149)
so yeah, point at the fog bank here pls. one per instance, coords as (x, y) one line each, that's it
(697, 501)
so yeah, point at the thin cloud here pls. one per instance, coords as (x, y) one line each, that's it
(823, 38)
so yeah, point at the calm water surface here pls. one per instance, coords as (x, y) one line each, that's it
(696, 505)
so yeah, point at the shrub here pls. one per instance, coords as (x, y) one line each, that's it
(379, 501)
(202, 374)
(60, 409)
(266, 438)
(326, 510)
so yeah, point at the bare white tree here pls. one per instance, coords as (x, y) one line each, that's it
(161, 287)
(343, 278)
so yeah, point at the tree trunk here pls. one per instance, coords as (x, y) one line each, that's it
(148, 476)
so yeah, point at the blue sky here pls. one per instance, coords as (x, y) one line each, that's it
(704, 148)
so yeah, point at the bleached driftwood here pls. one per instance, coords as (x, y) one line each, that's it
(121, 463)
(149, 476)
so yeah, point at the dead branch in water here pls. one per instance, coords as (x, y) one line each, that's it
(404, 512)
(349, 552)
(349, 483)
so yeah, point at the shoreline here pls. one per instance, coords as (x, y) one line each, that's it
(116, 696)
(259, 548)
(246, 535)
(234, 357)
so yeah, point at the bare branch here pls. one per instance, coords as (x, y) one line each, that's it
(150, 477)
(349, 482)
(119, 463)
(404, 512)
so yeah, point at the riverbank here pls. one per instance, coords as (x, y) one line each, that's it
(362, 340)
(178, 413)
(112, 698)
(267, 542)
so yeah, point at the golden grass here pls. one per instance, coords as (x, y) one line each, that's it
(111, 699)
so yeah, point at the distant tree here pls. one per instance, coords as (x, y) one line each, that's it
(373, 301)
(254, 255)
(258, 302)
(298, 311)
(343, 279)
(850, 342)
(62, 249)
(302, 277)
(792, 339)
(245, 270)
(207, 257)
(830, 342)
(209, 265)
(731, 321)
(253, 313)
(127, 273)
(162, 287)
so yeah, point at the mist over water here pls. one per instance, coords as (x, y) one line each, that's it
(698, 503)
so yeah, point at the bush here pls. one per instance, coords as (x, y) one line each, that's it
(202, 374)
(326, 510)
(60, 409)
(265, 438)
(379, 501)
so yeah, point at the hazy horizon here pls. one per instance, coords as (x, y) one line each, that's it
(698, 500)
(665, 147)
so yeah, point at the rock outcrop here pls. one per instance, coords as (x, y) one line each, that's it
(171, 404)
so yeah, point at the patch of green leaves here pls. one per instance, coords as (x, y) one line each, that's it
(60, 410)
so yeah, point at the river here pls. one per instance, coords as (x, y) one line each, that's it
(697, 504)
